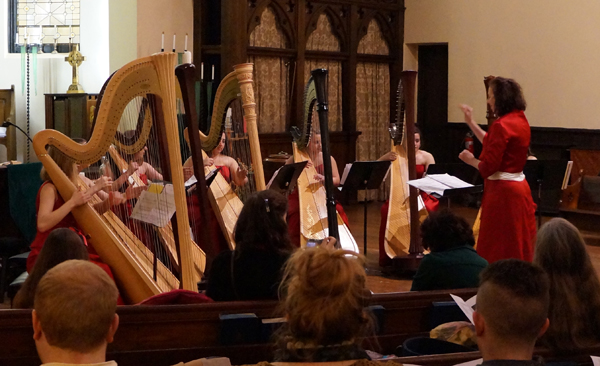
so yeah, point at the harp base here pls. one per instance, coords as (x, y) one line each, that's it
(407, 264)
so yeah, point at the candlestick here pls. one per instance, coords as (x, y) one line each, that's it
(213, 72)
(162, 43)
(173, 43)
(202, 71)
(185, 47)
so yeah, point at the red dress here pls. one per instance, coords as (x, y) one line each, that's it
(198, 224)
(508, 226)
(431, 204)
(293, 215)
(67, 222)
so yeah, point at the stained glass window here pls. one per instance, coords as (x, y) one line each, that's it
(45, 23)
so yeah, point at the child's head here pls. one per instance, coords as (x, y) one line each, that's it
(65, 163)
(61, 245)
(262, 224)
(325, 296)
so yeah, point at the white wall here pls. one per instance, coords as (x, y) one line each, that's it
(122, 32)
(54, 74)
(551, 47)
(172, 17)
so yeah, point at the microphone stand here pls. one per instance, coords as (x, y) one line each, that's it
(8, 123)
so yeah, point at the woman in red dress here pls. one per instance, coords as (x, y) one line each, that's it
(53, 212)
(422, 161)
(293, 214)
(508, 225)
(232, 172)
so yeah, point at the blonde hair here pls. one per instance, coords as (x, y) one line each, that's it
(574, 286)
(65, 163)
(75, 303)
(325, 295)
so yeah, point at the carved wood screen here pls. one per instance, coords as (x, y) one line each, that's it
(288, 38)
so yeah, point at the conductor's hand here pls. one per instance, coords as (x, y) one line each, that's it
(466, 156)
(468, 112)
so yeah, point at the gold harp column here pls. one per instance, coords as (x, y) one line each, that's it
(244, 76)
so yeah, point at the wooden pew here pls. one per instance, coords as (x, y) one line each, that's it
(166, 335)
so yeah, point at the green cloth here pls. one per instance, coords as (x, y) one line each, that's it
(450, 269)
(23, 185)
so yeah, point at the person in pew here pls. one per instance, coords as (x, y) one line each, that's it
(511, 312)
(452, 263)
(324, 299)
(62, 244)
(74, 315)
(574, 287)
(422, 161)
(508, 224)
(253, 270)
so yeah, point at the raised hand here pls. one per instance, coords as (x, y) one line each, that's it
(468, 112)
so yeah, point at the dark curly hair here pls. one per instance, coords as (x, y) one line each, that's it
(508, 95)
(443, 230)
(261, 223)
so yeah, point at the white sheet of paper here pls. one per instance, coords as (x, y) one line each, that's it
(567, 174)
(2, 132)
(345, 174)
(470, 363)
(155, 208)
(449, 180)
(466, 306)
(438, 183)
(191, 181)
(595, 360)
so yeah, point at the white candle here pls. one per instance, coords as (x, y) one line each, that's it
(41, 34)
(17, 38)
(213, 72)
(173, 43)
(185, 48)
(201, 69)
(162, 43)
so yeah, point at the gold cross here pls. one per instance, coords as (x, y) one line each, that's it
(75, 59)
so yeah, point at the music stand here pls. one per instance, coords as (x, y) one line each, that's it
(463, 172)
(285, 178)
(546, 177)
(366, 175)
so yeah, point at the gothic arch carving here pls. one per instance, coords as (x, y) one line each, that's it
(338, 25)
(385, 25)
(284, 21)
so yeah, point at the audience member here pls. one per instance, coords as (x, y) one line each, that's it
(61, 245)
(325, 295)
(574, 287)
(452, 263)
(253, 270)
(74, 314)
(512, 312)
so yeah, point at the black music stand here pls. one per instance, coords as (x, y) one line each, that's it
(463, 172)
(366, 175)
(286, 177)
(545, 177)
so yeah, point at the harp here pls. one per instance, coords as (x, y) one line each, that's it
(235, 92)
(402, 226)
(137, 271)
(318, 215)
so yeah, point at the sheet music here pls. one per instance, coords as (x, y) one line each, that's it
(193, 180)
(345, 174)
(567, 174)
(156, 205)
(595, 360)
(466, 306)
(273, 178)
(438, 183)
